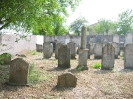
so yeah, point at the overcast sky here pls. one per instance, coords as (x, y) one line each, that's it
(94, 10)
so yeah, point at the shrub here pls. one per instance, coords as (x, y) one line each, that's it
(97, 66)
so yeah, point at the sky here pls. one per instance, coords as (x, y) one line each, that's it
(93, 10)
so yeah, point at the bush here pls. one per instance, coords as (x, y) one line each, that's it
(97, 66)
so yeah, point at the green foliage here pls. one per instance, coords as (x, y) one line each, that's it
(97, 66)
(125, 22)
(35, 15)
(3, 57)
(77, 25)
(34, 52)
(79, 68)
(104, 26)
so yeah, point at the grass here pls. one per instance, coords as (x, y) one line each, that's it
(97, 66)
(36, 76)
(79, 68)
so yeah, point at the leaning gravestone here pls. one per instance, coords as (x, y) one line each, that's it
(128, 57)
(98, 51)
(72, 47)
(18, 72)
(58, 45)
(117, 49)
(47, 50)
(5, 59)
(108, 53)
(64, 57)
(67, 80)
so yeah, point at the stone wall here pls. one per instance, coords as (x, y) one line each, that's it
(9, 44)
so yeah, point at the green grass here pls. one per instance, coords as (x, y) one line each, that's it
(36, 76)
(97, 66)
(79, 68)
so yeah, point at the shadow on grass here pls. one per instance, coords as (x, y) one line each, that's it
(99, 71)
(62, 89)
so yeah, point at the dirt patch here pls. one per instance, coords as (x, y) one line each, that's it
(92, 83)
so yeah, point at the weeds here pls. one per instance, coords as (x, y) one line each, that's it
(79, 68)
(97, 66)
(36, 76)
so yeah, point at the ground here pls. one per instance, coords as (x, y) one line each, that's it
(91, 84)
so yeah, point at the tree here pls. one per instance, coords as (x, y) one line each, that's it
(35, 15)
(104, 26)
(125, 22)
(77, 24)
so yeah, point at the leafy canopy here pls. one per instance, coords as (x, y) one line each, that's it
(35, 15)
(125, 22)
(77, 24)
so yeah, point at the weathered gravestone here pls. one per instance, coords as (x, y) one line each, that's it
(39, 48)
(108, 54)
(83, 51)
(128, 38)
(64, 57)
(5, 59)
(67, 80)
(72, 47)
(98, 51)
(47, 50)
(116, 38)
(18, 72)
(117, 49)
(88, 47)
(58, 45)
(128, 57)
(98, 38)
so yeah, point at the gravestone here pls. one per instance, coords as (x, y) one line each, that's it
(98, 38)
(18, 72)
(116, 38)
(117, 49)
(67, 80)
(108, 53)
(83, 51)
(64, 57)
(58, 45)
(47, 50)
(98, 51)
(5, 59)
(128, 56)
(88, 47)
(72, 47)
(128, 38)
(39, 47)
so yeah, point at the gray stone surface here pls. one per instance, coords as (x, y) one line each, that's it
(67, 80)
(58, 45)
(108, 53)
(98, 38)
(83, 37)
(83, 56)
(98, 51)
(64, 57)
(128, 57)
(88, 47)
(72, 47)
(47, 50)
(18, 72)
(39, 47)
(116, 38)
(128, 38)
(117, 49)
